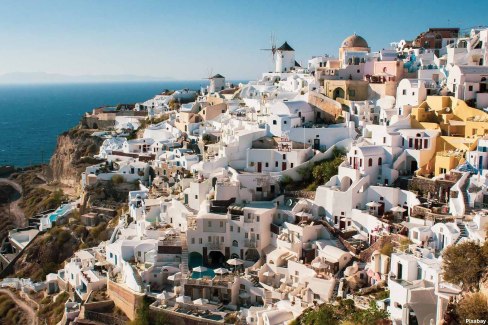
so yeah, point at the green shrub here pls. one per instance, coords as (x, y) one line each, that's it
(117, 179)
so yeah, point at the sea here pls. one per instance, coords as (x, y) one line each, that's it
(32, 116)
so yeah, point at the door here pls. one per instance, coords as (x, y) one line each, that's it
(399, 271)
(316, 144)
(283, 165)
(480, 163)
(413, 166)
(260, 167)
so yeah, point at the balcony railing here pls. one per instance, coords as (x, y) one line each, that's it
(215, 245)
(250, 243)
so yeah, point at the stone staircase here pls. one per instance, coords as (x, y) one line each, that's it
(138, 278)
(467, 208)
(184, 255)
(464, 232)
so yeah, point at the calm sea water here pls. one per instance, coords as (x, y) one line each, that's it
(32, 116)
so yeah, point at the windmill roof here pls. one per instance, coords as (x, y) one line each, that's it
(285, 47)
(217, 76)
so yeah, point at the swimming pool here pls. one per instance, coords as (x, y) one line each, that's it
(210, 273)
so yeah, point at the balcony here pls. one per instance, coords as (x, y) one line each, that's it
(218, 246)
(249, 243)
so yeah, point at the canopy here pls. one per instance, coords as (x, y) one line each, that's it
(467, 167)
(221, 270)
(235, 261)
(398, 209)
(165, 295)
(373, 204)
(183, 299)
(200, 269)
(200, 301)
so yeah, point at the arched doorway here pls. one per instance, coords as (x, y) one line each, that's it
(338, 92)
(215, 259)
(252, 255)
(195, 259)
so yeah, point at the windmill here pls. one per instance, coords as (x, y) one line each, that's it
(273, 47)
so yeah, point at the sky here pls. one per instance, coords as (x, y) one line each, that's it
(188, 40)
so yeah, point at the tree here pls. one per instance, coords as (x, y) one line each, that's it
(324, 315)
(473, 306)
(464, 264)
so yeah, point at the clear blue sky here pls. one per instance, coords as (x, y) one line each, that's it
(186, 39)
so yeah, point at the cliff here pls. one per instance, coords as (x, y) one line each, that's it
(73, 154)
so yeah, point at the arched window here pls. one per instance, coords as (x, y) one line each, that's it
(235, 243)
(370, 162)
(380, 161)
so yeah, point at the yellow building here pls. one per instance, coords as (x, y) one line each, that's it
(461, 127)
(346, 89)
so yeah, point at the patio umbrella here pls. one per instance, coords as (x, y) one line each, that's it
(373, 204)
(221, 271)
(200, 269)
(200, 301)
(398, 209)
(175, 277)
(165, 295)
(235, 262)
(183, 299)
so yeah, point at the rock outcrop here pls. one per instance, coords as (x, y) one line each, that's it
(73, 154)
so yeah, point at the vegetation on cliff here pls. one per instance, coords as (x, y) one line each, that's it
(344, 312)
(10, 313)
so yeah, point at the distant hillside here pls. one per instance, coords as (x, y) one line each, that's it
(43, 77)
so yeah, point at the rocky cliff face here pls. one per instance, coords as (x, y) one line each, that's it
(72, 155)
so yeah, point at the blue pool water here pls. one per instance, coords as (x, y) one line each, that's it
(210, 273)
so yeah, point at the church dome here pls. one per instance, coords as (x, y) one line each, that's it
(354, 41)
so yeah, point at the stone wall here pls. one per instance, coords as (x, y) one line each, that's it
(125, 299)
(329, 109)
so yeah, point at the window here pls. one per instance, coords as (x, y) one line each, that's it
(239, 229)
(276, 164)
(370, 162)
(291, 165)
(221, 224)
(380, 161)
(470, 88)
(404, 92)
(196, 197)
(274, 122)
(384, 139)
(193, 240)
(267, 164)
(209, 239)
(285, 122)
(246, 235)
(257, 236)
(426, 143)
(257, 218)
(360, 163)
(235, 243)
(259, 189)
(209, 223)
(284, 156)
(200, 240)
